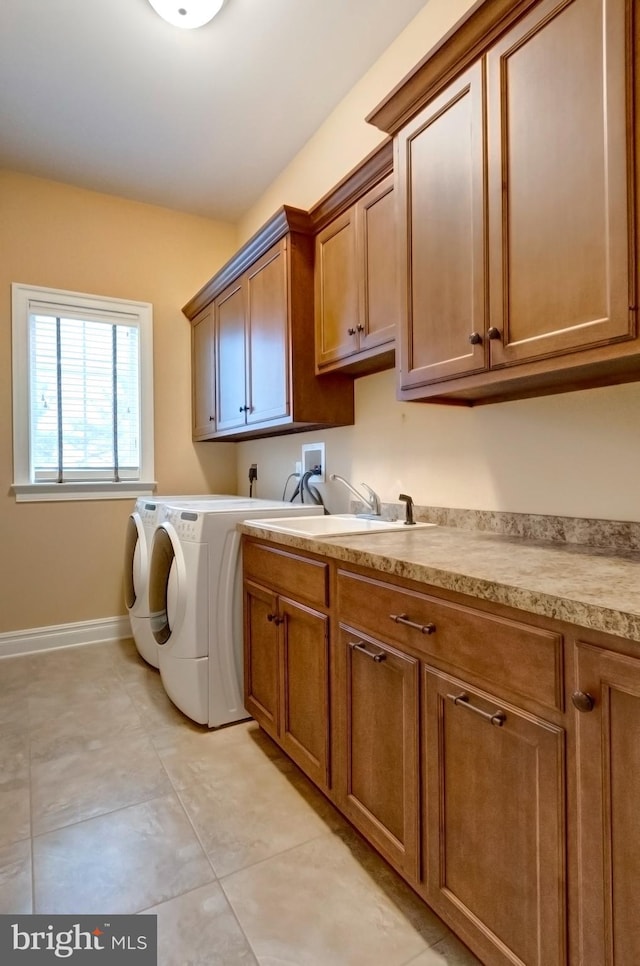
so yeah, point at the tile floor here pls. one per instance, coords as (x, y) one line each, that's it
(112, 801)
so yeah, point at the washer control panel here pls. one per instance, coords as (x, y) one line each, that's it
(186, 523)
(149, 513)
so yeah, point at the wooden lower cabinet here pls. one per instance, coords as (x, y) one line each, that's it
(607, 700)
(287, 676)
(261, 658)
(378, 787)
(494, 833)
(457, 752)
(304, 688)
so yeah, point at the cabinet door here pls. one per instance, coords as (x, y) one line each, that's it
(440, 167)
(304, 685)
(336, 279)
(230, 357)
(377, 254)
(495, 827)
(558, 249)
(267, 337)
(203, 397)
(379, 691)
(608, 743)
(261, 677)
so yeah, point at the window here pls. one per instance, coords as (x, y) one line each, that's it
(82, 396)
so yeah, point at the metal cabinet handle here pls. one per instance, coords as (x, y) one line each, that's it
(498, 718)
(360, 646)
(244, 409)
(583, 701)
(212, 419)
(494, 333)
(351, 331)
(403, 619)
(274, 619)
(360, 327)
(475, 338)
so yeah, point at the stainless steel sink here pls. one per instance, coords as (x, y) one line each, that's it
(337, 524)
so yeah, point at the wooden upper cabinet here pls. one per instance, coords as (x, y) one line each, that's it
(267, 338)
(518, 203)
(608, 768)
(558, 204)
(356, 275)
(252, 344)
(203, 395)
(377, 241)
(230, 355)
(440, 164)
(264, 366)
(337, 305)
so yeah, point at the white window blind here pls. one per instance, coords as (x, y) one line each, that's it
(85, 405)
(82, 389)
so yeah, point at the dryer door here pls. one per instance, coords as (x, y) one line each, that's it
(136, 563)
(166, 575)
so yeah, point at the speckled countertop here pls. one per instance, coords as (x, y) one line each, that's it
(590, 586)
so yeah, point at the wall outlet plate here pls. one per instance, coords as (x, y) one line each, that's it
(313, 455)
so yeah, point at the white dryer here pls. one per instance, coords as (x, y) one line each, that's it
(139, 533)
(195, 596)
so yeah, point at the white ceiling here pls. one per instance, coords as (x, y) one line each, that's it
(106, 95)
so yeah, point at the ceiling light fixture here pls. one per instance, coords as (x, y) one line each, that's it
(187, 13)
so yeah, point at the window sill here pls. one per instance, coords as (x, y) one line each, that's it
(54, 492)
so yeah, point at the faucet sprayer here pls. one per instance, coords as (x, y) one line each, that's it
(408, 520)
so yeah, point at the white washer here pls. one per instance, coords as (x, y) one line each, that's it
(195, 596)
(139, 534)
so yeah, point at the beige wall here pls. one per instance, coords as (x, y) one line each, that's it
(576, 454)
(62, 562)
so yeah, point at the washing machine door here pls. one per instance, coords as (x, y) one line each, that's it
(167, 583)
(136, 565)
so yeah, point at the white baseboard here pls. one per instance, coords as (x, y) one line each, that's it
(63, 635)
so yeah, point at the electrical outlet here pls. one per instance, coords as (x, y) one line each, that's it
(313, 456)
(298, 468)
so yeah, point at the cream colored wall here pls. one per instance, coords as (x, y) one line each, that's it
(345, 138)
(575, 454)
(62, 562)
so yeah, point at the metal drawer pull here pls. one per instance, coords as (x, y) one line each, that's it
(583, 701)
(403, 619)
(359, 646)
(275, 619)
(498, 718)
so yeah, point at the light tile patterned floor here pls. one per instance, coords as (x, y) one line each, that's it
(111, 801)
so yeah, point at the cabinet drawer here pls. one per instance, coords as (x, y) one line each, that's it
(288, 573)
(506, 655)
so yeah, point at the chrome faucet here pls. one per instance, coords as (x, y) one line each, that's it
(372, 501)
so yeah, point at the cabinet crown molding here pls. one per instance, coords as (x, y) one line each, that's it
(464, 43)
(372, 169)
(285, 221)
